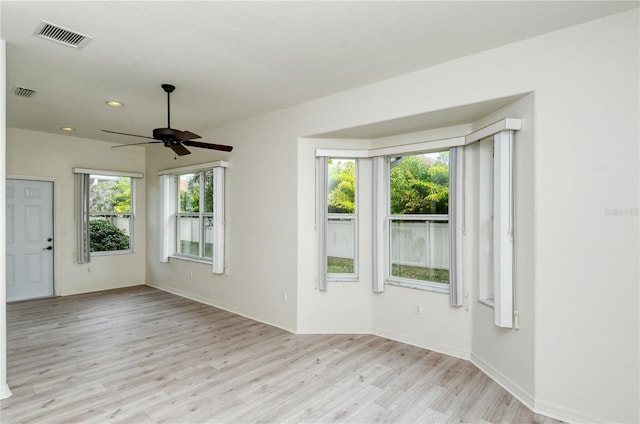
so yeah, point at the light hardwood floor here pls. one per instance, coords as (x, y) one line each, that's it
(142, 355)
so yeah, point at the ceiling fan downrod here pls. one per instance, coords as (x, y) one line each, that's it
(168, 88)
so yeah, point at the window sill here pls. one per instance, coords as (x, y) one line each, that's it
(425, 286)
(342, 279)
(111, 253)
(187, 258)
(490, 302)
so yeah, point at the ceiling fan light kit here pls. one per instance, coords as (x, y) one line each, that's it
(172, 138)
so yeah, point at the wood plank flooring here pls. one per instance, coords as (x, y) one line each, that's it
(140, 355)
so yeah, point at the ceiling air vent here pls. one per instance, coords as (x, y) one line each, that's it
(62, 35)
(23, 92)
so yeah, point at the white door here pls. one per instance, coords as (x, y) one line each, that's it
(29, 239)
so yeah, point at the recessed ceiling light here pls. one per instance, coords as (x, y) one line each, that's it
(68, 129)
(114, 103)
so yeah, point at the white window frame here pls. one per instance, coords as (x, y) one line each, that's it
(83, 212)
(503, 266)
(169, 214)
(201, 215)
(409, 282)
(323, 217)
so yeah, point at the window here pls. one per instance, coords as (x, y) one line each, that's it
(418, 213)
(110, 219)
(418, 220)
(192, 214)
(341, 219)
(337, 220)
(195, 215)
(104, 212)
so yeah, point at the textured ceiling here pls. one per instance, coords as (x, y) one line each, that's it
(232, 60)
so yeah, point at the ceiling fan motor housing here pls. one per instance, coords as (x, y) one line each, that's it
(165, 134)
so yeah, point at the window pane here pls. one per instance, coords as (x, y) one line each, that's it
(341, 246)
(420, 250)
(109, 194)
(108, 233)
(420, 184)
(341, 186)
(109, 208)
(189, 236)
(208, 237)
(189, 193)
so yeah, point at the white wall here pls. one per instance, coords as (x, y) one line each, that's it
(52, 157)
(260, 220)
(576, 354)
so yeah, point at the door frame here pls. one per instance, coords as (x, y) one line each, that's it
(54, 207)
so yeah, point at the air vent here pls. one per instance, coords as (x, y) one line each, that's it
(23, 92)
(62, 35)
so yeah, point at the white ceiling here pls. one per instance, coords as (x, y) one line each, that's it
(232, 60)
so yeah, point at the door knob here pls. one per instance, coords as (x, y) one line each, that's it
(48, 248)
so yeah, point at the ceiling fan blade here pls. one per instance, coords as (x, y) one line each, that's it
(185, 135)
(179, 149)
(131, 135)
(136, 144)
(211, 146)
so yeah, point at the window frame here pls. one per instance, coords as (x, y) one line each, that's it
(168, 197)
(412, 283)
(353, 218)
(201, 215)
(118, 214)
(83, 212)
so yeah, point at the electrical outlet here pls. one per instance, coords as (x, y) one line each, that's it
(285, 297)
(190, 275)
(418, 309)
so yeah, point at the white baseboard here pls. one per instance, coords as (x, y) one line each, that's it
(538, 406)
(329, 330)
(422, 343)
(224, 306)
(516, 390)
(567, 415)
(5, 391)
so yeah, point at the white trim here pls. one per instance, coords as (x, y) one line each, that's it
(423, 147)
(343, 153)
(5, 391)
(250, 314)
(516, 390)
(198, 167)
(108, 173)
(496, 127)
(427, 145)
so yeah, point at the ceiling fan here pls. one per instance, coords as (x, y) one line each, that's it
(174, 139)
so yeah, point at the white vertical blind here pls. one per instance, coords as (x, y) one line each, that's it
(503, 229)
(218, 220)
(83, 250)
(166, 234)
(322, 170)
(456, 225)
(380, 211)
